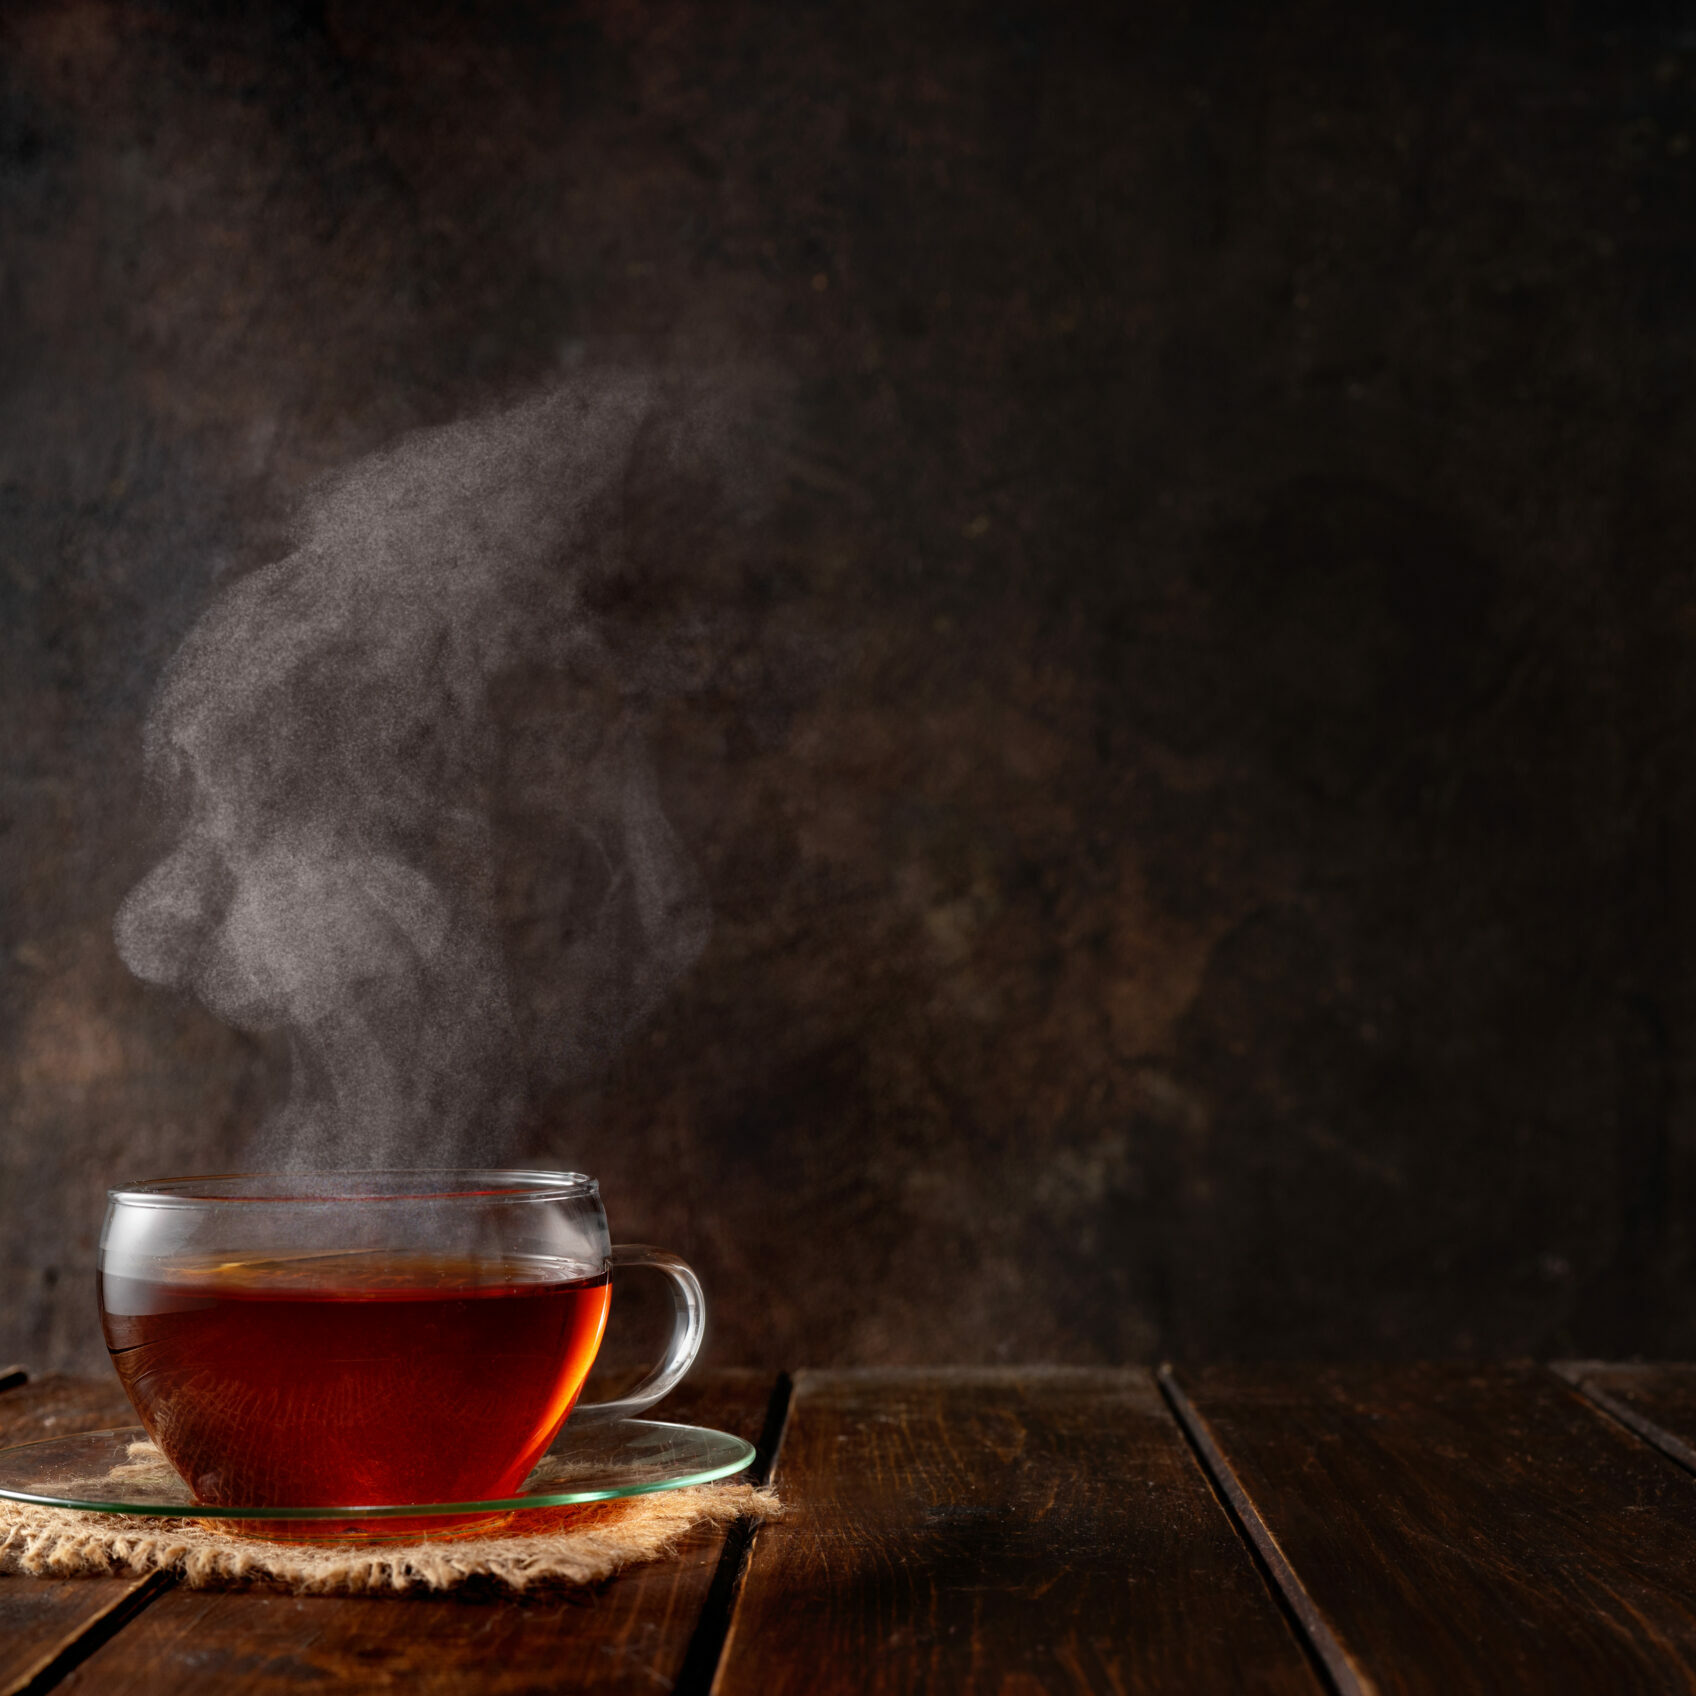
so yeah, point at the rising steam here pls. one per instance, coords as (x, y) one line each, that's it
(326, 733)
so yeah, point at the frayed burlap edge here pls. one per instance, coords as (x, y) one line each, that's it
(574, 1546)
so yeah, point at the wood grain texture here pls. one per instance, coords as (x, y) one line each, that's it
(1467, 1530)
(43, 1621)
(57, 1404)
(632, 1633)
(48, 1625)
(1012, 1531)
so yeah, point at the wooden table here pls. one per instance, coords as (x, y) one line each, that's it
(1435, 1529)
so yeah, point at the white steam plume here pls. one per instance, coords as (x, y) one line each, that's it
(326, 732)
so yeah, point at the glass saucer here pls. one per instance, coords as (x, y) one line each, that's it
(121, 1472)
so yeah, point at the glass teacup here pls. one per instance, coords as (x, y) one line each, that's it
(368, 1338)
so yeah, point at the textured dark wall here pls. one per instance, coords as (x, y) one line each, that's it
(1194, 772)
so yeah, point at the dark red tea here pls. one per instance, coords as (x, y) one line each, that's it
(355, 1379)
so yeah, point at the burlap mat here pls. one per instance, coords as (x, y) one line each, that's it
(569, 1546)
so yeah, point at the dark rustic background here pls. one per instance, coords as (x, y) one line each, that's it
(1194, 772)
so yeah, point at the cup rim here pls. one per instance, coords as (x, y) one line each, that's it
(366, 1186)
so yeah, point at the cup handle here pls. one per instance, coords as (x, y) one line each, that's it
(690, 1307)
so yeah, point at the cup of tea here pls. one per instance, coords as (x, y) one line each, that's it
(368, 1339)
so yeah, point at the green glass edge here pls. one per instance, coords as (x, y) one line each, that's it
(424, 1510)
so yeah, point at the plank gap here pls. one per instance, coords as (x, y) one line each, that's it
(1573, 1373)
(1000, 1529)
(706, 1646)
(1329, 1659)
(94, 1636)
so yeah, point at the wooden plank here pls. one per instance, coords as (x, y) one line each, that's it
(57, 1404)
(632, 1633)
(45, 1623)
(1657, 1401)
(48, 1625)
(1007, 1531)
(1462, 1530)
